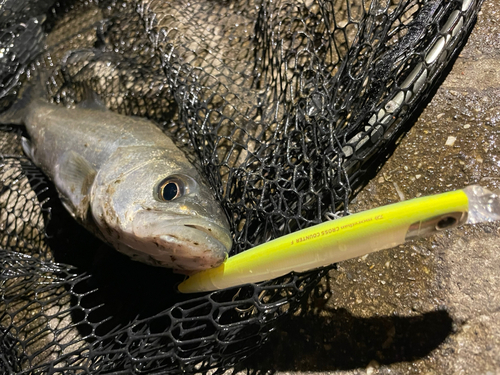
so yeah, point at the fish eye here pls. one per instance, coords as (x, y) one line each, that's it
(170, 189)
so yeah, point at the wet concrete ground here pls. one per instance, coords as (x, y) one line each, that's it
(431, 306)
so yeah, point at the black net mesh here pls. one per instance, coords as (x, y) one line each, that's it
(288, 108)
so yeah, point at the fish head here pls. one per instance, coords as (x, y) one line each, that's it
(161, 212)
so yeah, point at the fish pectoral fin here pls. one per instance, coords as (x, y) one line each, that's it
(74, 179)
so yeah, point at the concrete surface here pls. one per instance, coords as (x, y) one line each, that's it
(431, 306)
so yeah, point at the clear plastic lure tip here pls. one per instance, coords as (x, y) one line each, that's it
(484, 205)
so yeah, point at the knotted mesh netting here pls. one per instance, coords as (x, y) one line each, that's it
(287, 107)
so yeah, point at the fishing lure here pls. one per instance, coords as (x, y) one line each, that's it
(349, 237)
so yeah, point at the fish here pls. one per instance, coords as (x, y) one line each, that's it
(124, 180)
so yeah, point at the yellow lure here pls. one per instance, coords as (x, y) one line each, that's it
(333, 241)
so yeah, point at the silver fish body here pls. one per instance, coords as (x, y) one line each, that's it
(127, 182)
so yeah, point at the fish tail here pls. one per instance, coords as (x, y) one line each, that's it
(17, 113)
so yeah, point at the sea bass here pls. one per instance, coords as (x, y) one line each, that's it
(125, 181)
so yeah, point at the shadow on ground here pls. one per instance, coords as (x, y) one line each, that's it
(342, 341)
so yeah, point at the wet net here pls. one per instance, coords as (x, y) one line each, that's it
(287, 107)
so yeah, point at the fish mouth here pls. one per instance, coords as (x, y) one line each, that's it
(185, 244)
(210, 228)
